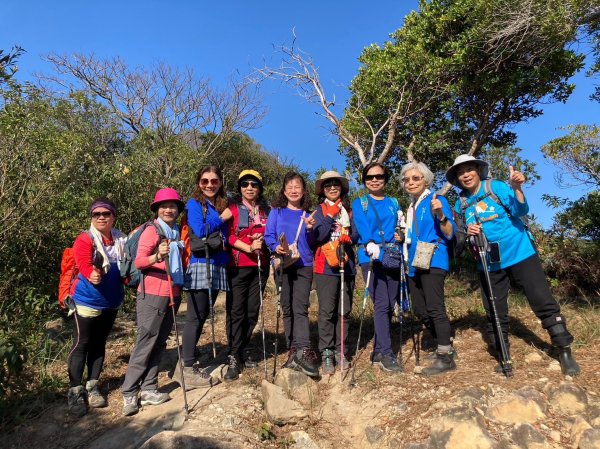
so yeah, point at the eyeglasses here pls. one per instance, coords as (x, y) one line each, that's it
(412, 178)
(377, 177)
(213, 182)
(246, 184)
(97, 215)
(332, 185)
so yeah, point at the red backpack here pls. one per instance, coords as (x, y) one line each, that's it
(68, 273)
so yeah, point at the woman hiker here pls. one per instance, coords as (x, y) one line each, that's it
(494, 208)
(376, 216)
(97, 292)
(246, 241)
(334, 228)
(429, 225)
(155, 256)
(290, 217)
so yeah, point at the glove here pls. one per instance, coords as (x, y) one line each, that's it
(373, 250)
(345, 239)
(331, 210)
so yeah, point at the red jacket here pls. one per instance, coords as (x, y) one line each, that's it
(241, 258)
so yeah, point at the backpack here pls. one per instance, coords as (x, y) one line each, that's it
(129, 273)
(68, 273)
(458, 243)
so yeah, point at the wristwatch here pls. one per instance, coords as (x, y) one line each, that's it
(443, 220)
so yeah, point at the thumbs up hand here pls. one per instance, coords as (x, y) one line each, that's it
(515, 178)
(436, 206)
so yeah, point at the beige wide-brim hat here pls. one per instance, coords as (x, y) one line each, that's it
(328, 175)
(463, 159)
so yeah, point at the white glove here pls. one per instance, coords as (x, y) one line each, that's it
(400, 221)
(373, 250)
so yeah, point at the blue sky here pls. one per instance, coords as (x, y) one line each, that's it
(219, 39)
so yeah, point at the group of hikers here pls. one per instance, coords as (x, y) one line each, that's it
(231, 245)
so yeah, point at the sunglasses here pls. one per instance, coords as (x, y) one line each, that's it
(101, 214)
(412, 178)
(331, 185)
(213, 182)
(377, 177)
(252, 184)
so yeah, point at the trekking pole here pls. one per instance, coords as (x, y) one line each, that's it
(341, 256)
(362, 318)
(504, 357)
(279, 284)
(405, 292)
(262, 310)
(210, 299)
(172, 306)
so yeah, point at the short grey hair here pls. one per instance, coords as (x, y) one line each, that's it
(421, 168)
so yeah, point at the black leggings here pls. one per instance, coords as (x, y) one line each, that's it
(198, 310)
(427, 290)
(89, 343)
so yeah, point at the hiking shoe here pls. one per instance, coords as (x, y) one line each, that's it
(195, 377)
(328, 365)
(442, 363)
(387, 363)
(306, 362)
(95, 398)
(130, 405)
(338, 361)
(76, 401)
(249, 363)
(153, 397)
(290, 363)
(568, 365)
(233, 370)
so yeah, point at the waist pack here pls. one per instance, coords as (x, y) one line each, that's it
(332, 253)
(392, 257)
(213, 242)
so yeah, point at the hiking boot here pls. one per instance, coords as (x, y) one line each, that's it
(76, 401)
(387, 363)
(153, 397)
(130, 405)
(443, 362)
(328, 365)
(95, 398)
(338, 361)
(306, 362)
(290, 363)
(568, 365)
(233, 370)
(195, 377)
(249, 363)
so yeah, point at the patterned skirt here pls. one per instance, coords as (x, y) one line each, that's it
(195, 277)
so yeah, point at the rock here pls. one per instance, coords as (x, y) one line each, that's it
(554, 366)
(471, 395)
(302, 441)
(568, 399)
(528, 437)
(590, 439)
(418, 369)
(460, 428)
(374, 434)
(394, 444)
(555, 436)
(526, 405)
(401, 407)
(279, 408)
(298, 386)
(579, 426)
(175, 440)
(533, 357)
(55, 329)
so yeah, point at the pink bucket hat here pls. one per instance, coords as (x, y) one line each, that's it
(167, 194)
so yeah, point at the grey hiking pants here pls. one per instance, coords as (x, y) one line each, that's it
(154, 321)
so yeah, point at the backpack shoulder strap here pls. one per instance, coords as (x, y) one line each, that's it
(395, 202)
(364, 202)
(490, 193)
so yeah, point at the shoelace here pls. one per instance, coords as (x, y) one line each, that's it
(200, 371)
(232, 362)
(328, 360)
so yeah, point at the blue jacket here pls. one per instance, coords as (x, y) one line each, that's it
(366, 224)
(510, 233)
(429, 231)
(197, 223)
